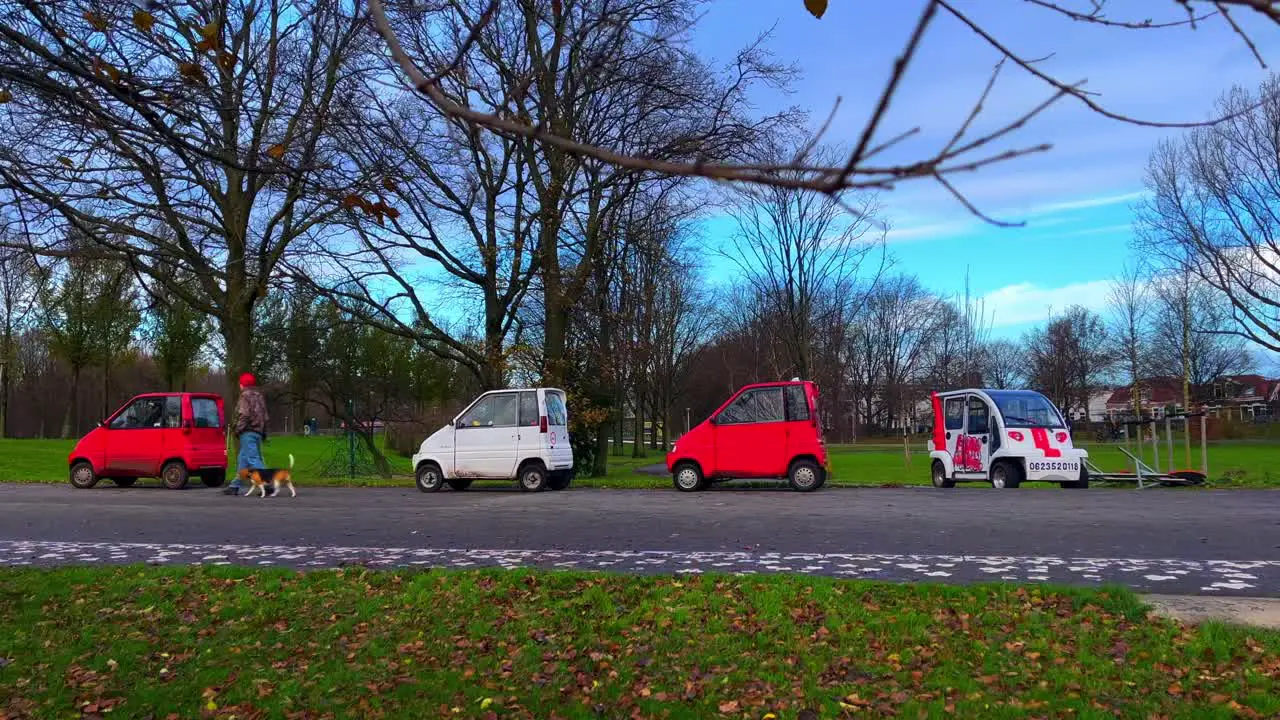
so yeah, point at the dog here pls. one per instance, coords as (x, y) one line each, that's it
(275, 476)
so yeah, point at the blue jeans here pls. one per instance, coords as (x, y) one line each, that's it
(250, 455)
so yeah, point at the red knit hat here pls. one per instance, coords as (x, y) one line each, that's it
(248, 380)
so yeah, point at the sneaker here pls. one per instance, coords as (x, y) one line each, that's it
(232, 490)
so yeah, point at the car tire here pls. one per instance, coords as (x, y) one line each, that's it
(459, 483)
(939, 474)
(82, 475)
(429, 477)
(560, 480)
(1006, 475)
(804, 476)
(533, 477)
(687, 477)
(174, 475)
(124, 481)
(214, 479)
(1081, 484)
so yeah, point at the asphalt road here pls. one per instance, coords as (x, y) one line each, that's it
(1224, 542)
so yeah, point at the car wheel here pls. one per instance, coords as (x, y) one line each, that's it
(687, 477)
(459, 483)
(805, 476)
(83, 476)
(533, 477)
(939, 473)
(1005, 475)
(560, 481)
(174, 475)
(429, 477)
(125, 481)
(1081, 484)
(214, 479)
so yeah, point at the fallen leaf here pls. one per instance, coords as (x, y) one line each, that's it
(729, 706)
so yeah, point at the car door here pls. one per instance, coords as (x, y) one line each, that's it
(136, 441)
(751, 435)
(558, 448)
(485, 441)
(977, 435)
(529, 430)
(953, 427)
(207, 437)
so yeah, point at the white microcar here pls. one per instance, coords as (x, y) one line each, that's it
(502, 435)
(1003, 437)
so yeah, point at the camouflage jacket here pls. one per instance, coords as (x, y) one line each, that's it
(251, 412)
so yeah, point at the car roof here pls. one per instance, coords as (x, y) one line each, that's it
(172, 394)
(776, 383)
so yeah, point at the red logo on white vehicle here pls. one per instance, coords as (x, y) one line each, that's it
(1061, 437)
(553, 438)
(1016, 436)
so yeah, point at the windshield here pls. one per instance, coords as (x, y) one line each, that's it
(1025, 409)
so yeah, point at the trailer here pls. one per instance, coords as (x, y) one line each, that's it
(1146, 476)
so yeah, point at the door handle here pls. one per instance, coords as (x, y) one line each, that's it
(984, 439)
(948, 436)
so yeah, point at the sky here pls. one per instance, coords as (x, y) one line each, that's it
(1076, 200)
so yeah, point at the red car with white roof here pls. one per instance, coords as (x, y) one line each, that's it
(1003, 437)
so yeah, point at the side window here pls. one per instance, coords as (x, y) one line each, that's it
(172, 417)
(797, 404)
(529, 409)
(143, 413)
(953, 414)
(205, 412)
(979, 418)
(754, 406)
(493, 411)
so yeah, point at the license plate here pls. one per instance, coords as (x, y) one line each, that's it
(1052, 465)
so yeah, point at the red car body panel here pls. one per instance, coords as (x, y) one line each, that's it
(198, 440)
(753, 450)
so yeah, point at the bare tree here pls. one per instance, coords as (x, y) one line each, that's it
(1212, 216)
(1129, 302)
(1003, 364)
(1069, 357)
(965, 151)
(20, 281)
(192, 134)
(1192, 328)
(892, 340)
(796, 247)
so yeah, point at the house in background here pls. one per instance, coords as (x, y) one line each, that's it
(1241, 397)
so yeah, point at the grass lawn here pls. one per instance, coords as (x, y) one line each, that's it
(1231, 463)
(223, 642)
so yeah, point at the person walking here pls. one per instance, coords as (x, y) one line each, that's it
(251, 429)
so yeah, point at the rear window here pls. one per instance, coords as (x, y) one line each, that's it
(557, 413)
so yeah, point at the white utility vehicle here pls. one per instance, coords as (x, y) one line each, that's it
(503, 434)
(1003, 437)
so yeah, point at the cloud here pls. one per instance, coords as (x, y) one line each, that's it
(928, 231)
(1084, 203)
(1027, 302)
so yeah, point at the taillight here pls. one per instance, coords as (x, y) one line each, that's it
(542, 424)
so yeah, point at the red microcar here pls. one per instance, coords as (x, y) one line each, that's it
(171, 436)
(768, 430)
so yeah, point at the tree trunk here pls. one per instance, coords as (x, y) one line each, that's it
(4, 398)
(601, 466)
(637, 444)
(618, 422)
(237, 334)
(71, 415)
(106, 389)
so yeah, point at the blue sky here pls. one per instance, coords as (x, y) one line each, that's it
(1076, 200)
